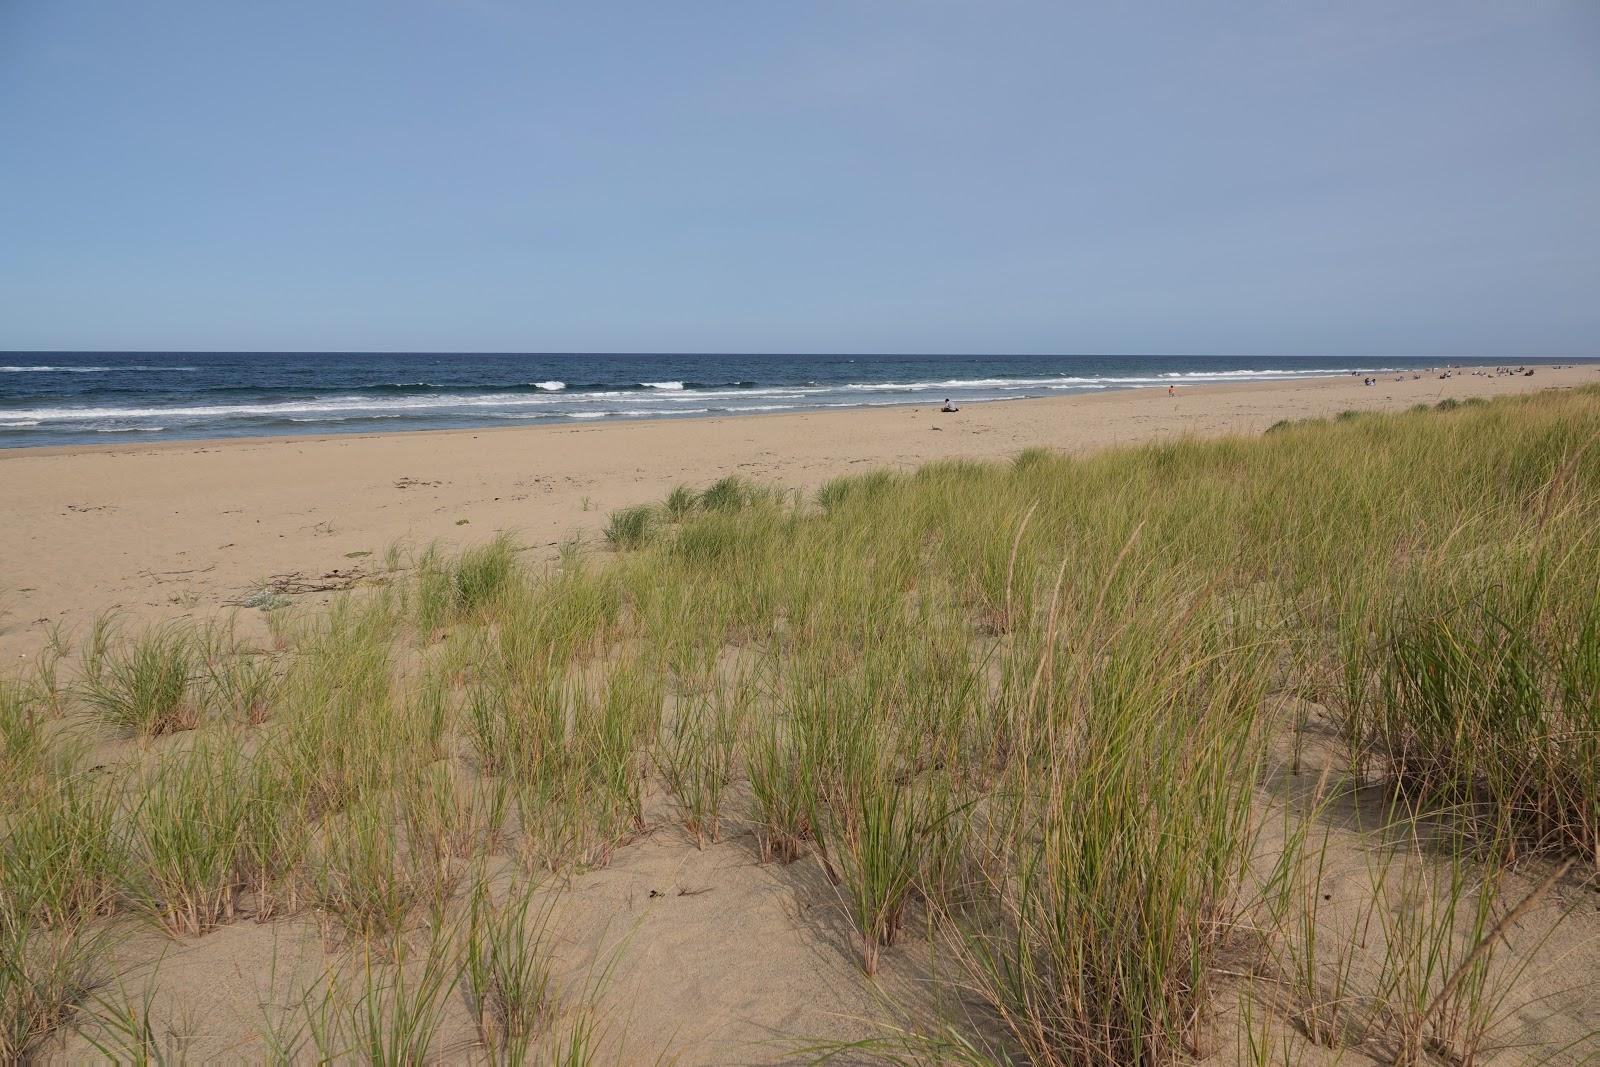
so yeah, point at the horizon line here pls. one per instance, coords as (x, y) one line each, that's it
(761, 354)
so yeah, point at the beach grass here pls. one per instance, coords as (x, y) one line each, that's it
(187, 830)
(1033, 711)
(144, 685)
(508, 982)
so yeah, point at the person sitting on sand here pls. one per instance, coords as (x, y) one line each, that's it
(949, 406)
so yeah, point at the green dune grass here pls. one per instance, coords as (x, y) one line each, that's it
(1036, 705)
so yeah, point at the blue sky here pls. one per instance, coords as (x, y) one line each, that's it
(872, 176)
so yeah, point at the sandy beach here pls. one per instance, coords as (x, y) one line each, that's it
(189, 528)
(712, 952)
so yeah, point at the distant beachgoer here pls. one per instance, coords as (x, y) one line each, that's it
(949, 406)
(1172, 391)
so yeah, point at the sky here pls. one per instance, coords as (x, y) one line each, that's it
(1418, 178)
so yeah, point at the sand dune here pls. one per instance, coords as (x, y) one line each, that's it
(718, 957)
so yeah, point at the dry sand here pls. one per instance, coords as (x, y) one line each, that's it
(715, 957)
(183, 528)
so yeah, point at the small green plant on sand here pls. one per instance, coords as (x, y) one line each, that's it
(508, 970)
(878, 847)
(145, 685)
(680, 502)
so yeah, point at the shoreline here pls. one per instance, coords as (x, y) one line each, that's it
(557, 422)
(177, 528)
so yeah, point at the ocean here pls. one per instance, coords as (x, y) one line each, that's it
(103, 397)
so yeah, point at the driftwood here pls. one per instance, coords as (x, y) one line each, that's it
(165, 577)
(297, 583)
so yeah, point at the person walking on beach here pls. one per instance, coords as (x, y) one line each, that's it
(1172, 390)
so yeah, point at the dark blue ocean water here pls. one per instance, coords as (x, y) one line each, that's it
(92, 397)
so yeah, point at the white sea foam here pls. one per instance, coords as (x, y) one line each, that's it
(695, 396)
(287, 408)
(553, 399)
(1070, 381)
(1310, 372)
(51, 369)
(631, 413)
(347, 418)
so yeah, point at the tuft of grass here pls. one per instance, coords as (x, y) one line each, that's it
(697, 759)
(386, 1008)
(187, 838)
(124, 1030)
(46, 688)
(342, 732)
(507, 971)
(1423, 966)
(362, 882)
(1321, 975)
(577, 1044)
(22, 742)
(1487, 698)
(1030, 458)
(610, 733)
(879, 851)
(45, 975)
(1133, 836)
(516, 726)
(470, 585)
(63, 853)
(863, 487)
(449, 816)
(482, 573)
(631, 528)
(273, 837)
(397, 1017)
(833, 493)
(680, 502)
(1443, 928)
(144, 685)
(728, 494)
(241, 681)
